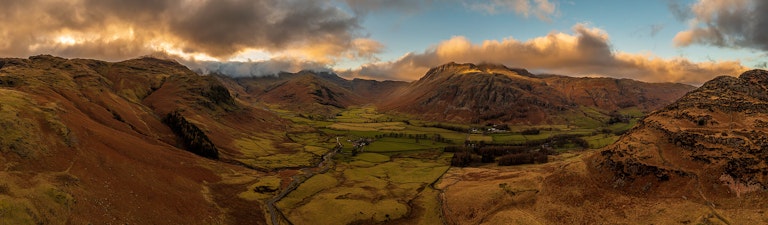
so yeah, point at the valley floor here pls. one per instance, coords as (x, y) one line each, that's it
(397, 179)
(390, 169)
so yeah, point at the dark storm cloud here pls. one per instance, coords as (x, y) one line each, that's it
(218, 28)
(727, 23)
(223, 27)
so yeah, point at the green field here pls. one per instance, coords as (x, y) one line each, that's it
(401, 157)
(402, 144)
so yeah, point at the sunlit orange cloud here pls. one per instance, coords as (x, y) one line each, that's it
(585, 52)
(198, 30)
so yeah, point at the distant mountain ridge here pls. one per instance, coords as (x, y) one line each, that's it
(316, 92)
(470, 93)
(464, 93)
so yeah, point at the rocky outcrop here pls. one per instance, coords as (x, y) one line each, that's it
(712, 137)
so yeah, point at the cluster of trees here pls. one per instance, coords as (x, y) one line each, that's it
(461, 159)
(531, 131)
(502, 126)
(563, 140)
(402, 135)
(489, 153)
(317, 117)
(450, 127)
(507, 155)
(417, 137)
(193, 139)
(512, 154)
(523, 158)
(616, 117)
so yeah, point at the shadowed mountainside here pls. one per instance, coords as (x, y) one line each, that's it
(314, 92)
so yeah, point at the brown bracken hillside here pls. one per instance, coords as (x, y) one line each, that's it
(84, 141)
(712, 144)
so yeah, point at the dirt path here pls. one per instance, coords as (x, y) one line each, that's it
(324, 166)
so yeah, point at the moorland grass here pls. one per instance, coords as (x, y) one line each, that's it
(259, 190)
(310, 187)
(389, 144)
(372, 157)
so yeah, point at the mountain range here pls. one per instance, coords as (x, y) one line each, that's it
(149, 141)
(698, 160)
(465, 93)
(468, 93)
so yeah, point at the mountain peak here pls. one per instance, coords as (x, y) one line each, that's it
(493, 92)
(452, 69)
(757, 76)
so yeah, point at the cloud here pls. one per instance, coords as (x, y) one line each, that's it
(118, 29)
(586, 52)
(366, 6)
(542, 9)
(680, 12)
(726, 23)
(253, 68)
(649, 30)
(655, 29)
(762, 65)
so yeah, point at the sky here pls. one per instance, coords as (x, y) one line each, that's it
(687, 41)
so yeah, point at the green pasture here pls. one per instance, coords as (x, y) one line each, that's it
(388, 144)
(379, 183)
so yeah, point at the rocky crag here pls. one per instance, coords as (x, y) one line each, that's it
(712, 143)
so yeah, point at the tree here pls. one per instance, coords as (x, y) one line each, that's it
(193, 139)
(461, 159)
